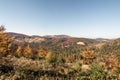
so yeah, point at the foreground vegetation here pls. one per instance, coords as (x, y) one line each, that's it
(70, 63)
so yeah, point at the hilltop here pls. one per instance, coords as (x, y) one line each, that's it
(54, 39)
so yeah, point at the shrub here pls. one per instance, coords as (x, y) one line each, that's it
(97, 72)
(61, 60)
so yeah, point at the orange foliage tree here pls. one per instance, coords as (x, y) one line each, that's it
(5, 42)
(42, 52)
(88, 55)
(19, 51)
(27, 51)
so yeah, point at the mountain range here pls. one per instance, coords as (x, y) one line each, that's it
(38, 39)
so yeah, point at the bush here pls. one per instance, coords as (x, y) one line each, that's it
(97, 72)
(61, 60)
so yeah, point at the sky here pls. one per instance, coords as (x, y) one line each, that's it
(77, 18)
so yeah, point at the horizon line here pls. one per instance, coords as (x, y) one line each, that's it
(63, 35)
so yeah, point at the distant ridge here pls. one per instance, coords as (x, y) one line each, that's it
(57, 36)
(46, 36)
(50, 39)
(103, 39)
(11, 34)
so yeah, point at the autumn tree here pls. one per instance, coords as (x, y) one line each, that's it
(42, 52)
(5, 42)
(19, 51)
(51, 58)
(88, 55)
(27, 51)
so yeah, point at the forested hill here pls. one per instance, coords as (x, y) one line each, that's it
(54, 39)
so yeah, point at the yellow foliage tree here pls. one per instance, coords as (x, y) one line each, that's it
(51, 58)
(5, 42)
(49, 55)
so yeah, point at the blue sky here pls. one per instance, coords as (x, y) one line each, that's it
(79, 18)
